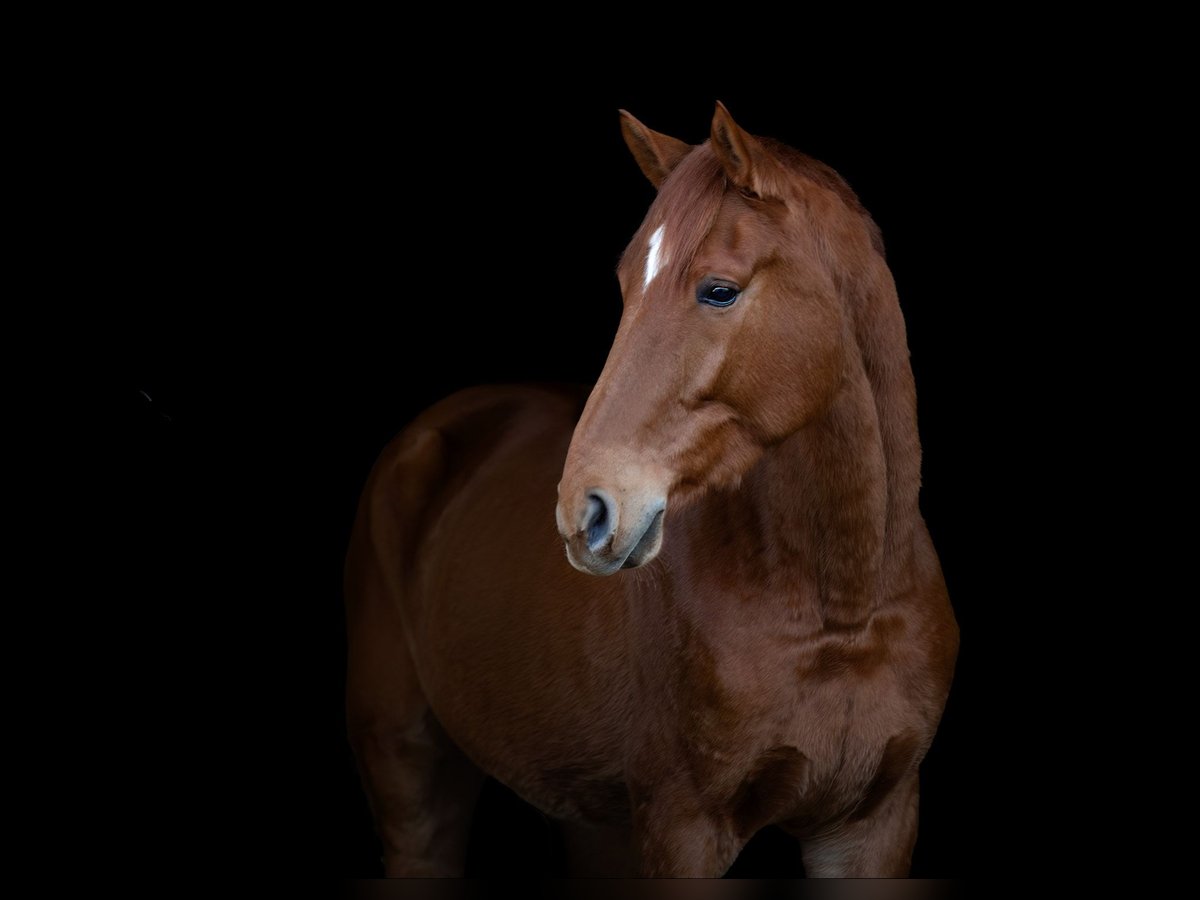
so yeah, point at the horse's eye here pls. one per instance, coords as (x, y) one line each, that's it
(715, 293)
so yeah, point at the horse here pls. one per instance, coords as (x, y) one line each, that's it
(749, 625)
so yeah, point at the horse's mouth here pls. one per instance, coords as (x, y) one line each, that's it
(648, 544)
(598, 546)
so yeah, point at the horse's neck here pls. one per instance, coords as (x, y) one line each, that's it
(822, 505)
(837, 501)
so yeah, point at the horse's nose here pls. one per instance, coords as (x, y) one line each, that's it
(604, 533)
(599, 519)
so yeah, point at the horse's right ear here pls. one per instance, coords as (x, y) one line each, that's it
(656, 154)
(747, 164)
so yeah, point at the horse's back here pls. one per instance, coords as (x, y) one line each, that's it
(457, 435)
(509, 644)
(429, 466)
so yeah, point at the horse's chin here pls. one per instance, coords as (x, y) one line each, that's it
(648, 544)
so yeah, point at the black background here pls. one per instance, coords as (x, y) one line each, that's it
(307, 258)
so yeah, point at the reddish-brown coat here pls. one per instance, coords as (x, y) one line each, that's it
(786, 657)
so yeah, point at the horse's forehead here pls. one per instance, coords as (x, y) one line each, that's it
(665, 231)
(732, 223)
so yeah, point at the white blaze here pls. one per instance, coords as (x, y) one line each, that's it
(654, 256)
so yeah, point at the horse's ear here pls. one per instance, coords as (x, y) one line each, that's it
(656, 154)
(746, 162)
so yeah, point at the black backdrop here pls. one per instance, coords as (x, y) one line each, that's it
(306, 262)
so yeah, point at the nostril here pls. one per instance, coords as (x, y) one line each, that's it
(596, 521)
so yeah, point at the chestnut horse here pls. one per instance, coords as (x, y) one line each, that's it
(752, 628)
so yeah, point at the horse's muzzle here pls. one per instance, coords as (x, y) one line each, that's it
(604, 534)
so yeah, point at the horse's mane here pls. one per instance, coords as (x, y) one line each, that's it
(827, 177)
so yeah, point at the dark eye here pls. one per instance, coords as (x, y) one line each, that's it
(716, 293)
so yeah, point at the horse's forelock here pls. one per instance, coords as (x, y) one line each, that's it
(685, 209)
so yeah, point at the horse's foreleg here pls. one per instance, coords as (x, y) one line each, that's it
(878, 845)
(671, 840)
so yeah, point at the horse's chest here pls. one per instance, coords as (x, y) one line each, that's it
(768, 745)
(809, 784)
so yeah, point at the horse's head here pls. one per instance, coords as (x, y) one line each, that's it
(734, 334)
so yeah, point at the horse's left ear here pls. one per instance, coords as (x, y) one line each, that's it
(747, 163)
(656, 154)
